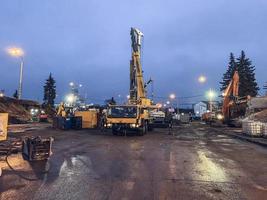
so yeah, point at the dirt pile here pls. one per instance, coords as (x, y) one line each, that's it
(18, 110)
(260, 116)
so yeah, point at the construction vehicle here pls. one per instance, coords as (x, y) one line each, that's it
(65, 118)
(161, 117)
(70, 117)
(135, 114)
(38, 115)
(233, 106)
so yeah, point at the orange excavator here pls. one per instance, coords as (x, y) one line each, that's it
(234, 106)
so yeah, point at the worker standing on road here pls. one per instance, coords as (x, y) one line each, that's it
(170, 121)
(103, 119)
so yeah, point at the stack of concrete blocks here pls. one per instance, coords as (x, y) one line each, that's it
(265, 130)
(253, 128)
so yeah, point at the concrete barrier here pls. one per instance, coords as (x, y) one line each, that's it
(252, 128)
(265, 129)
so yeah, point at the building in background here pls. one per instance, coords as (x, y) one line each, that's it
(200, 108)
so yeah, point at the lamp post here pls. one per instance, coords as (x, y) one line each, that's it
(172, 98)
(211, 95)
(202, 79)
(18, 52)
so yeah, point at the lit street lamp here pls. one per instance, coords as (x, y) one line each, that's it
(202, 79)
(18, 52)
(211, 94)
(70, 99)
(172, 96)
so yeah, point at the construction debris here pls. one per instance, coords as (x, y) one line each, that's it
(18, 110)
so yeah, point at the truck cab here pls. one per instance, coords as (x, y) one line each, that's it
(127, 117)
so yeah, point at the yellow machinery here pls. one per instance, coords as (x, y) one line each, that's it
(135, 114)
(89, 118)
(61, 110)
(3, 126)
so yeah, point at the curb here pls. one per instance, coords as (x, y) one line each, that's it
(249, 139)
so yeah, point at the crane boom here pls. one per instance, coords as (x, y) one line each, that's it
(137, 85)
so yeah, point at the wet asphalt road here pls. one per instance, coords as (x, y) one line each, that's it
(196, 162)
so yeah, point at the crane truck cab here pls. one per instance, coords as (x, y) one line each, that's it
(121, 118)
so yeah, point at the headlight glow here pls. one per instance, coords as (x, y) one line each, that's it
(219, 116)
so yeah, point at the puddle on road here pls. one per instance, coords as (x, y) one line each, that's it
(74, 165)
(208, 170)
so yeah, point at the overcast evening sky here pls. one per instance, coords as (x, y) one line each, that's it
(88, 42)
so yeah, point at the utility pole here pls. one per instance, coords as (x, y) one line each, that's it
(20, 78)
(18, 52)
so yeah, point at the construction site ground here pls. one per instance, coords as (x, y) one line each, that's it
(192, 161)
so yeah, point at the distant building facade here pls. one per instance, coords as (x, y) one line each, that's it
(200, 108)
(204, 106)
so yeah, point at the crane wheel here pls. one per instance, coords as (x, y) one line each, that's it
(114, 131)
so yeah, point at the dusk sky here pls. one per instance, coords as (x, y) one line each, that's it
(88, 42)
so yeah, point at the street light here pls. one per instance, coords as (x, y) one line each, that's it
(70, 99)
(172, 96)
(211, 94)
(19, 53)
(202, 79)
(159, 105)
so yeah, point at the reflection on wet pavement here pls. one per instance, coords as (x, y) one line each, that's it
(194, 165)
(209, 170)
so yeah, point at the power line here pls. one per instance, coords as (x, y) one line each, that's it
(185, 97)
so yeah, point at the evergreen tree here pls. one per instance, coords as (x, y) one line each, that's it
(110, 101)
(15, 95)
(248, 84)
(49, 92)
(227, 76)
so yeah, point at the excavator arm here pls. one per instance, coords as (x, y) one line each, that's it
(230, 92)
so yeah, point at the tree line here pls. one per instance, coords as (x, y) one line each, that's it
(242, 64)
(246, 71)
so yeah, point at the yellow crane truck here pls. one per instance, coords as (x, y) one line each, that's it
(135, 114)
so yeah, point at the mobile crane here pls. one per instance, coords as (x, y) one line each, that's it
(135, 114)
